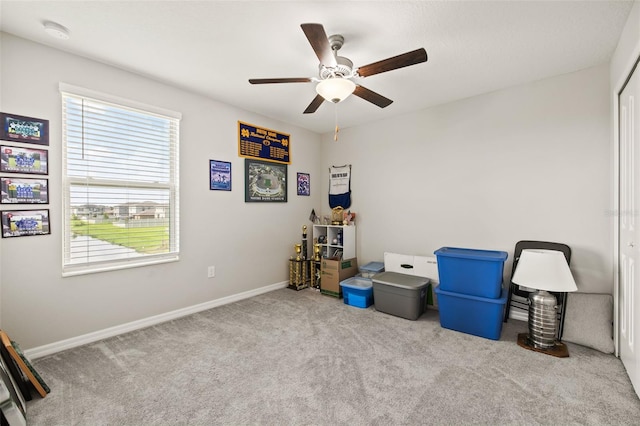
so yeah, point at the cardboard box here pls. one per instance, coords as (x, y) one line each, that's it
(333, 271)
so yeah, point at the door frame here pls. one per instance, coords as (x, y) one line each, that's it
(616, 92)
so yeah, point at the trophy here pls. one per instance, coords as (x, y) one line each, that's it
(304, 242)
(298, 250)
(316, 252)
(337, 215)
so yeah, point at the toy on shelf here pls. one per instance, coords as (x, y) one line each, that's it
(349, 218)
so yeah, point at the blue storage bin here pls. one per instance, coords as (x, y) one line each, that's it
(480, 316)
(470, 271)
(357, 291)
(371, 268)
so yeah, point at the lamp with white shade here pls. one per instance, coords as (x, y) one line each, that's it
(545, 271)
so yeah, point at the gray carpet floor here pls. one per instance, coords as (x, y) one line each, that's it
(290, 357)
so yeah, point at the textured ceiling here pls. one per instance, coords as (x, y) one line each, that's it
(214, 47)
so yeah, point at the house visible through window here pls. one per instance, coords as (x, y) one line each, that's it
(120, 182)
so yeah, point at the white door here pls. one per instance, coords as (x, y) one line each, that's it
(629, 226)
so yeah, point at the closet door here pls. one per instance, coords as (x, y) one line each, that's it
(629, 226)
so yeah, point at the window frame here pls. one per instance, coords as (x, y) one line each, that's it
(73, 269)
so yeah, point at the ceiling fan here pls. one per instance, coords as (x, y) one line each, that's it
(336, 72)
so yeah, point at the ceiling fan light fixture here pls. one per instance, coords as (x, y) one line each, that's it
(335, 89)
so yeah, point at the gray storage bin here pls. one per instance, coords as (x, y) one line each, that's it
(399, 294)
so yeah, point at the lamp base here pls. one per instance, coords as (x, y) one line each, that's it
(559, 350)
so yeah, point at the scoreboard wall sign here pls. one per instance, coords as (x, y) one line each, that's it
(263, 144)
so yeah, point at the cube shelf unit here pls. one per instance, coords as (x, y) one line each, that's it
(329, 248)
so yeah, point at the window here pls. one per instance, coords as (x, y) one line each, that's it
(120, 182)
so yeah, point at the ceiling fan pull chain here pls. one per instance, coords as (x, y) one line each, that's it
(335, 135)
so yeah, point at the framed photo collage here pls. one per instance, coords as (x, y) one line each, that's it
(24, 165)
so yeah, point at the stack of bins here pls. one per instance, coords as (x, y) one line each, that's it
(470, 295)
(358, 291)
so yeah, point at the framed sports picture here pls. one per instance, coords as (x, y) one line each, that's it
(21, 223)
(23, 160)
(220, 175)
(264, 181)
(18, 128)
(19, 190)
(304, 184)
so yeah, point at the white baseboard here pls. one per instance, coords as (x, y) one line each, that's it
(84, 339)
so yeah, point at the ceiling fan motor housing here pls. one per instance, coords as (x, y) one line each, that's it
(344, 69)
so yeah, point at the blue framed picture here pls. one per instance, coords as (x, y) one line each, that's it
(304, 184)
(219, 175)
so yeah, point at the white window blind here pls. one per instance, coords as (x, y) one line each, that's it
(120, 171)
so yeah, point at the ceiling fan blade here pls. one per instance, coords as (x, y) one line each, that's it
(314, 105)
(400, 61)
(320, 43)
(279, 80)
(371, 96)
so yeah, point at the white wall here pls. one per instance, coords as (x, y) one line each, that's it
(249, 243)
(528, 162)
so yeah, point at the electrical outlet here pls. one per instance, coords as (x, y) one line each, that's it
(211, 271)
